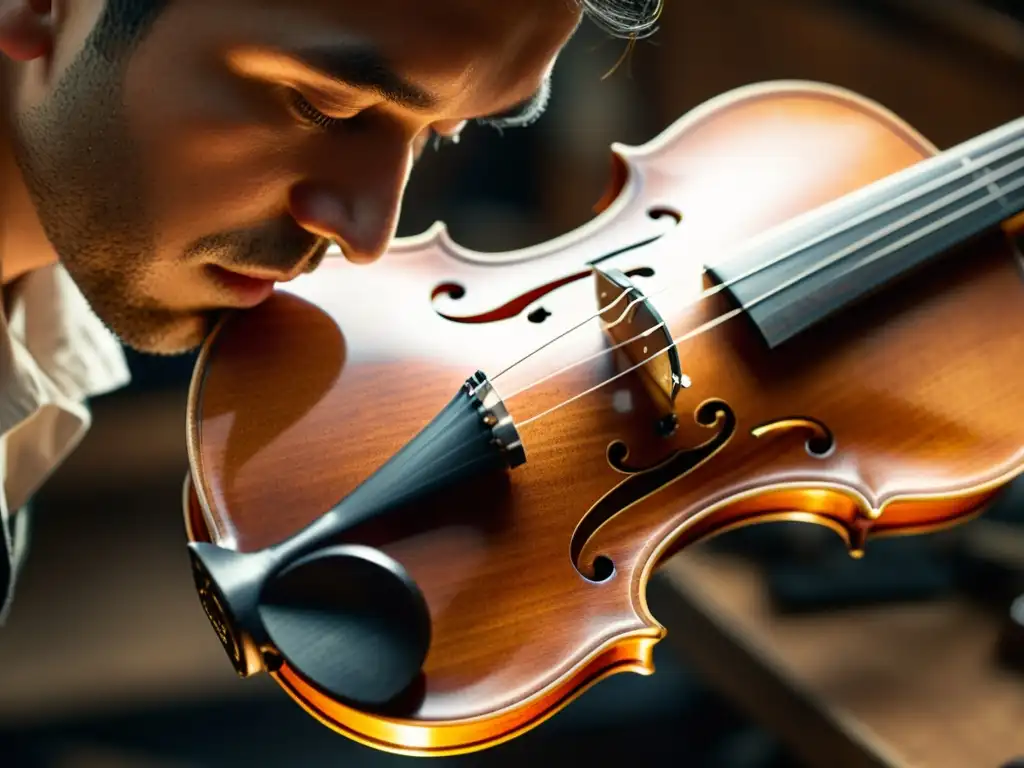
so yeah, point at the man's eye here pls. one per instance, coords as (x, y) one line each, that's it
(311, 114)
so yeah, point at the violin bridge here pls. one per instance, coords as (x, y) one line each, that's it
(637, 329)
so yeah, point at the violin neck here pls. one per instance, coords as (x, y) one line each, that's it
(819, 264)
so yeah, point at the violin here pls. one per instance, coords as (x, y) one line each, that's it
(426, 495)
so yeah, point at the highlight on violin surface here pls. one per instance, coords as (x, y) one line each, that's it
(436, 532)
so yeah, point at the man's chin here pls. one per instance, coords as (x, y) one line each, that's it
(171, 337)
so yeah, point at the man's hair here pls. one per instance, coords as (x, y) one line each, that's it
(125, 22)
(624, 18)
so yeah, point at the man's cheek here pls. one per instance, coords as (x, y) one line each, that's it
(220, 179)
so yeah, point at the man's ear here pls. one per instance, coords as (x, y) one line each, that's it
(25, 30)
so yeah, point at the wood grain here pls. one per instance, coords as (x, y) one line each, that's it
(296, 402)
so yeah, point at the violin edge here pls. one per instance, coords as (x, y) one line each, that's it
(839, 508)
(437, 736)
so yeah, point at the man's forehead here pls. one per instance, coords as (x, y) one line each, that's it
(458, 28)
(424, 51)
(452, 37)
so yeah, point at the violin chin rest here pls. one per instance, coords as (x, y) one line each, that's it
(351, 621)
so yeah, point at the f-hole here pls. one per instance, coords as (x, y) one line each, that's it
(516, 305)
(644, 481)
(540, 314)
(820, 442)
(660, 212)
(602, 570)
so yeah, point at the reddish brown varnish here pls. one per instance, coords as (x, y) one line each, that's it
(296, 402)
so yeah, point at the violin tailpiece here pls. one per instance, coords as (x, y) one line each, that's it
(349, 618)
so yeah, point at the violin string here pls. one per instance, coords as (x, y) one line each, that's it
(866, 216)
(721, 319)
(894, 227)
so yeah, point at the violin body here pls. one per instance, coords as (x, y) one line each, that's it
(903, 414)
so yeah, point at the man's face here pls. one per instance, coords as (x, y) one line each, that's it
(239, 135)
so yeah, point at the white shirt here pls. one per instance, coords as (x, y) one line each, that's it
(54, 355)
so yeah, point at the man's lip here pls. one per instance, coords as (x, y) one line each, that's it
(261, 275)
(247, 289)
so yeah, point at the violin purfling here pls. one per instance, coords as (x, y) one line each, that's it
(426, 495)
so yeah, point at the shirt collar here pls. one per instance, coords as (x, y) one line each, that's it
(54, 341)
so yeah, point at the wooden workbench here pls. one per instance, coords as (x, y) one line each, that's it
(913, 686)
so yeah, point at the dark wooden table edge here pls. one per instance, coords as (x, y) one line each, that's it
(733, 665)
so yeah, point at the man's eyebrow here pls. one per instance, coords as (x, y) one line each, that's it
(525, 112)
(361, 67)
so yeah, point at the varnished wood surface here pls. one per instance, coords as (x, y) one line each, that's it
(298, 401)
(894, 686)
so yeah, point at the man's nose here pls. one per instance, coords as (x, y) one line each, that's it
(355, 198)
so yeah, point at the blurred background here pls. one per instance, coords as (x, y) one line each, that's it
(782, 652)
